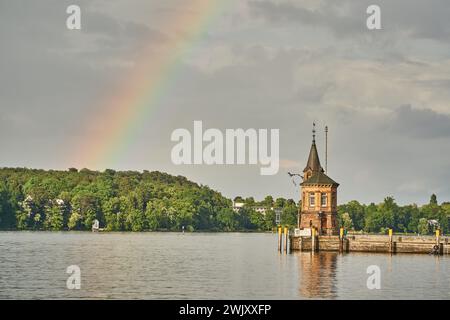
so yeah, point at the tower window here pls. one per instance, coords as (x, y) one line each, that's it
(312, 199)
(323, 199)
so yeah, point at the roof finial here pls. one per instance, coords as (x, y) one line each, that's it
(314, 132)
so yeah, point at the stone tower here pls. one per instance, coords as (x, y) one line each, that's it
(319, 196)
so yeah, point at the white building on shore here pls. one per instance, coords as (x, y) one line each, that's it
(260, 209)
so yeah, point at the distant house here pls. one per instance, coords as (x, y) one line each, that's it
(260, 209)
(59, 202)
(434, 224)
(237, 206)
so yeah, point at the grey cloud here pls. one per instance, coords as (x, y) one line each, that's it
(421, 19)
(285, 77)
(328, 15)
(420, 123)
(120, 35)
(51, 78)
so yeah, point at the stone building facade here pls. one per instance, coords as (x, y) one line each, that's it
(319, 197)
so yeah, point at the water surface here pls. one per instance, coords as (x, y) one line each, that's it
(204, 266)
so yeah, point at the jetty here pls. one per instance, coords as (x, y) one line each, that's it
(437, 245)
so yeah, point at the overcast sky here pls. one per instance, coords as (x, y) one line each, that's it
(283, 64)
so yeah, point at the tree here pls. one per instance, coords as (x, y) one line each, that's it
(87, 205)
(244, 218)
(445, 217)
(289, 216)
(7, 216)
(346, 222)
(433, 199)
(404, 218)
(280, 203)
(74, 221)
(423, 227)
(54, 216)
(257, 220)
(389, 212)
(269, 220)
(356, 212)
(268, 201)
(250, 201)
(136, 220)
(114, 212)
(227, 220)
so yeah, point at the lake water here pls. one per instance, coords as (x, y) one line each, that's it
(204, 266)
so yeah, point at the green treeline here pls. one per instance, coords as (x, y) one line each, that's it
(373, 218)
(121, 201)
(133, 201)
(377, 218)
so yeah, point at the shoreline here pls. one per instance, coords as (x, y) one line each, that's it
(135, 232)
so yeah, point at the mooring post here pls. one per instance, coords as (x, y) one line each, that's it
(341, 240)
(445, 245)
(313, 239)
(279, 239)
(438, 236)
(285, 239)
(391, 247)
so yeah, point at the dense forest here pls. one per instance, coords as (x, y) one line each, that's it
(377, 218)
(120, 201)
(134, 201)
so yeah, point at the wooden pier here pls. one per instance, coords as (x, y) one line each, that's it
(372, 243)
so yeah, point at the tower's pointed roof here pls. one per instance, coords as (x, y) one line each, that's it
(313, 159)
(317, 174)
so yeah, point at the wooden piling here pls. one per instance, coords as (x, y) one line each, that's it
(279, 239)
(313, 239)
(391, 247)
(285, 239)
(438, 242)
(341, 240)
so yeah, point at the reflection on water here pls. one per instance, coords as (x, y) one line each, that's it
(317, 274)
(204, 266)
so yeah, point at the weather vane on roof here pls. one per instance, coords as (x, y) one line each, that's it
(314, 131)
(292, 175)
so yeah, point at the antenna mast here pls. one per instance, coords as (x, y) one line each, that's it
(326, 149)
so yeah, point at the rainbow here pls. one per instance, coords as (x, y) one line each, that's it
(122, 114)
